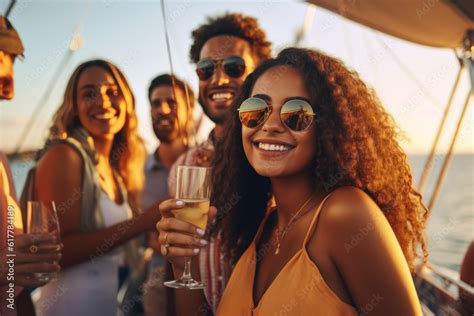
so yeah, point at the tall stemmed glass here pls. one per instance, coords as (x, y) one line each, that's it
(193, 187)
(42, 218)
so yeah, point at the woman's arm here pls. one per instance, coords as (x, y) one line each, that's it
(367, 255)
(59, 178)
(11, 184)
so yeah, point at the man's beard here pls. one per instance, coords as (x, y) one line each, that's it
(218, 119)
(165, 136)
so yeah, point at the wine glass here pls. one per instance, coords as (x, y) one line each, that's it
(193, 187)
(42, 218)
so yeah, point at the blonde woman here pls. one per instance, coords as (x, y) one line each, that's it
(92, 168)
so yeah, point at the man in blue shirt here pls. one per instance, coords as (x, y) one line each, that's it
(172, 120)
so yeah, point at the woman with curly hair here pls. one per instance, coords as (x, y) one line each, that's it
(95, 138)
(225, 49)
(327, 221)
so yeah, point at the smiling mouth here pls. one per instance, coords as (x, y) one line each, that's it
(221, 96)
(272, 147)
(105, 116)
(164, 122)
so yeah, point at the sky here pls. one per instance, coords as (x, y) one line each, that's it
(413, 81)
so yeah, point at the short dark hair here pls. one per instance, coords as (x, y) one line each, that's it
(232, 24)
(169, 80)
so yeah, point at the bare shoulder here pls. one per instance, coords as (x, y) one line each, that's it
(58, 178)
(349, 216)
(363, 248)
(348, 207)
(61, 155)
(60, 160)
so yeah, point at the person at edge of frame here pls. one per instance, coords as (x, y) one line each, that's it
(30, 253)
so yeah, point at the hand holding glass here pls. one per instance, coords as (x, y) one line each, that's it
(42, 219)
(193, 187)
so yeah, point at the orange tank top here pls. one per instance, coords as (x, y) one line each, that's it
(298, 289)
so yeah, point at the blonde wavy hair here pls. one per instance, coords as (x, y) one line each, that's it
(128, 151)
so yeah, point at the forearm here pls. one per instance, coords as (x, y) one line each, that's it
(83, 246)
(190, 302)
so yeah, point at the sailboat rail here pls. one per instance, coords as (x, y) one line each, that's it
(447, 276)
(440, 290)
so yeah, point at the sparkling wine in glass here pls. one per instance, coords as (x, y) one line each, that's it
(193, 187)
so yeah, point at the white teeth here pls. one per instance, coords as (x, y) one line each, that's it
(166, 123)
(273, 147)
(104, 116)
(221, 96)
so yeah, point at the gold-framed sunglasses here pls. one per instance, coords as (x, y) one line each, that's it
(296, 114)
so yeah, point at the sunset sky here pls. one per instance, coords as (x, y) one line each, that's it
(131, 35)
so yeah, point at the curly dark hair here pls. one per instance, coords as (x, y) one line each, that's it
(232, 24)
(357, 145)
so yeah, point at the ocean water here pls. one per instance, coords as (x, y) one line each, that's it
(451, 223)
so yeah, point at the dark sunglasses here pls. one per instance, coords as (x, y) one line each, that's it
(296, 114)
(234, 67)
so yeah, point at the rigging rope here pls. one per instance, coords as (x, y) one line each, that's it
(10, 8)
(74, 45)
(188, 138)
(444, 168)
(429, 161)
(42, 101)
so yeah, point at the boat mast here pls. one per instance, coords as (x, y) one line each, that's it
(189, 139)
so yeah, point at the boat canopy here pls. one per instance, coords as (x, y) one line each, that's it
(437, 23)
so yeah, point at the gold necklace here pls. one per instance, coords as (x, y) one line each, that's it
(292, 219)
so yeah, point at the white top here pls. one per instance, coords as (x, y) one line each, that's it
(89, 288)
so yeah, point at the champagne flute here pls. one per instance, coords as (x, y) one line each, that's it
(43, 219)
(193, 187)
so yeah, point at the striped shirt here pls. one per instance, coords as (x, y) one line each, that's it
(214, 270)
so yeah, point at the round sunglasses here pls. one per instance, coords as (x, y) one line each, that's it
(296, 114)
(233, 66)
